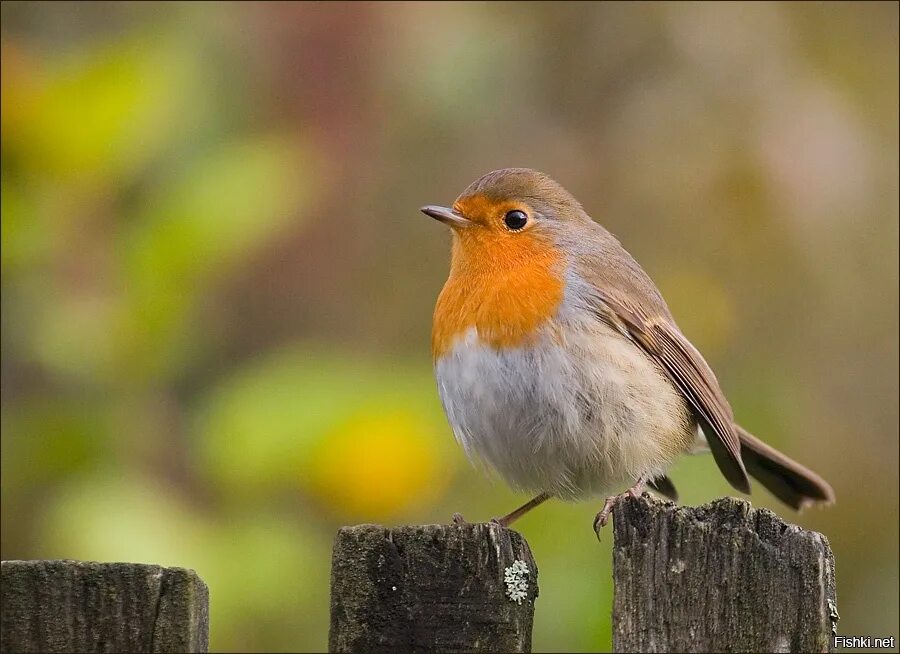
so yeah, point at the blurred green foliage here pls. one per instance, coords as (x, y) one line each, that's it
(216, 287)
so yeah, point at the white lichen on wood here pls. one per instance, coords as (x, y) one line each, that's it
(450, 597)
(516, 579)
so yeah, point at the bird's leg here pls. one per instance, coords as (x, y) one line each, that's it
(603, 517)
(509, 518)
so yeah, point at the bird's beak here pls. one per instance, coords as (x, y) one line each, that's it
(446, 216)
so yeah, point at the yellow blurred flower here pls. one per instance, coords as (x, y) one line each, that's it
(378, 463)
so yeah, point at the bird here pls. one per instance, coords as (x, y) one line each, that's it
(560, 367)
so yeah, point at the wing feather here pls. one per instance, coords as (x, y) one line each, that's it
(661, 340)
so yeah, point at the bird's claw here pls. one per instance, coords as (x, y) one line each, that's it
(602, 518)
(459, 520)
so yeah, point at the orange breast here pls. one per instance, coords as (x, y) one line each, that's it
(503, 285)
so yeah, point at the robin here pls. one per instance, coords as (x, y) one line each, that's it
(559, 364)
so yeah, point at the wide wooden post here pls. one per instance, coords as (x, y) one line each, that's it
(433, 588)
(723, 577)
(74, 606)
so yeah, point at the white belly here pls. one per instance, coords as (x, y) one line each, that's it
(577, 419)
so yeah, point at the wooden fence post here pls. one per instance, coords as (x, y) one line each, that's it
(432, 588)
(75, 606)
(719, 578)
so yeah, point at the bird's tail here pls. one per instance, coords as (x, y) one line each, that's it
(792, 483)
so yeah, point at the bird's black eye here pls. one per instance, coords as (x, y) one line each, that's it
(515, 219)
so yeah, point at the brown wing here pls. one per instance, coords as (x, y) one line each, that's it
(684, 365)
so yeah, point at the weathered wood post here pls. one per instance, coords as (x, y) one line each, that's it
(723, 577)
(432, 588)
(75, 606)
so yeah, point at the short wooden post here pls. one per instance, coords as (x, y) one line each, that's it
(433, 588)
(723, 577)
(75, 606)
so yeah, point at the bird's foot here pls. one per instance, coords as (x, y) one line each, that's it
(603, 517)
(509, 518)
(502, 522)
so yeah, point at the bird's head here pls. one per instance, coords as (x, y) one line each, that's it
(512, 208)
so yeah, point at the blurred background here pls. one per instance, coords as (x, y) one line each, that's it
(217, 286)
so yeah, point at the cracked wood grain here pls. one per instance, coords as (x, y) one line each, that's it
(431, 588)
(722, 577)
(76, 606)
